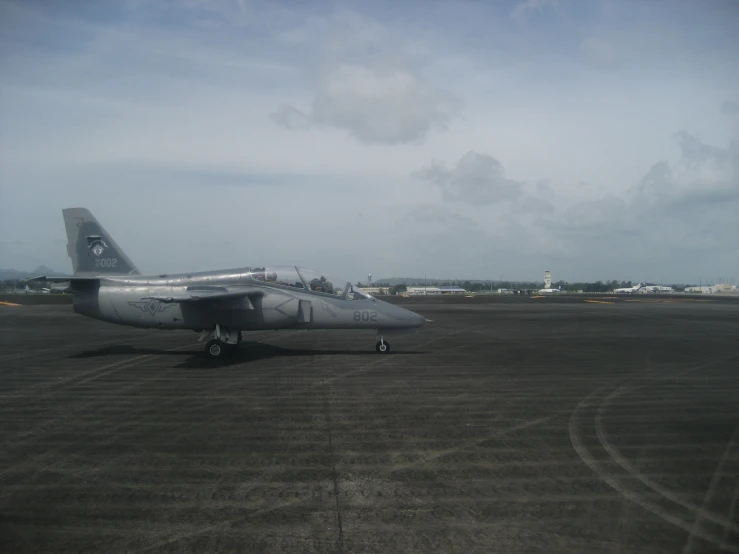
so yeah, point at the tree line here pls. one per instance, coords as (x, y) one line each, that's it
(481, 286)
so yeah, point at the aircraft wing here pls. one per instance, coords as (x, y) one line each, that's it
(64, 279)
(53, 279)
(206, 292)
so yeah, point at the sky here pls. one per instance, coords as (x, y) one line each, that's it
(468, 139)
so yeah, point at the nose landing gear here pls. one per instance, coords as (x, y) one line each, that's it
(382, 346)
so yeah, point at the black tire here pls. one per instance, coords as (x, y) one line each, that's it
(215, 348)
(383, 347)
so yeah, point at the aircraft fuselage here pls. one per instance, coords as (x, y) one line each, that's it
(121, 300)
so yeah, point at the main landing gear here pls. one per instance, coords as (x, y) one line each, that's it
(382, 346)
(226, 341)
(216, 348)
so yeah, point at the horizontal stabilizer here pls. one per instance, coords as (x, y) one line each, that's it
(201, 293)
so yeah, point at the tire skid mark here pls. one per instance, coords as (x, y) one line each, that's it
(609, 477)
(473, 442)
(702, 512)
(616, 455)
(26, 354)
(589, 402)
(732, 512)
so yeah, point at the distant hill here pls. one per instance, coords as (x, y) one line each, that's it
(13, 274)
(392, 281)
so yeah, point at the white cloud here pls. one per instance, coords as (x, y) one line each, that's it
(702, 171)
(677, 208)
(696, 154)
(381, 105)
(476, 179)
(369, 82)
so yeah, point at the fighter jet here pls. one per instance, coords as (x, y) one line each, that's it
(219, 304)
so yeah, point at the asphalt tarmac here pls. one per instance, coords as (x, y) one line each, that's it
(533, 426)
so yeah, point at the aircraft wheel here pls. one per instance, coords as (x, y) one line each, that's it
(215, 348)
(383, 347)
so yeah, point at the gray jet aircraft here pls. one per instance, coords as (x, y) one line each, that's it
(107, 286)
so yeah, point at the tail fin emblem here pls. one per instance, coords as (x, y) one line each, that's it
(96, 245)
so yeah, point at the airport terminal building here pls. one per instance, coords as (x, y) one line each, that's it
(414, 291)
(435, 290)
(712, 289)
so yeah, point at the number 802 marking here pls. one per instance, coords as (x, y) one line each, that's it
(365, 316)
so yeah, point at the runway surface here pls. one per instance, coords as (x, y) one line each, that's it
(501, 427)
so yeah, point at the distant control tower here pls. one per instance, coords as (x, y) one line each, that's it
(547, 280)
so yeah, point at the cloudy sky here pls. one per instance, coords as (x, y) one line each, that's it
(597, 139)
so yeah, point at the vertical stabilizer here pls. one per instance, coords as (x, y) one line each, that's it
(91, 248)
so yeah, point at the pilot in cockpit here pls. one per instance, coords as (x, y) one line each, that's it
(322, 285)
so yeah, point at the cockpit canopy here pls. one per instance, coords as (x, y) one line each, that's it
(308, 279)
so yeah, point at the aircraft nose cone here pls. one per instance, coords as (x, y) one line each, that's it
(408, 318)
(418, 320)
